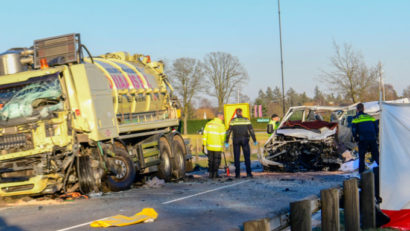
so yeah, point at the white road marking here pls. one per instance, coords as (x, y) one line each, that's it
(80, 225)
(76, 226)
(164, 203)
(197, 194)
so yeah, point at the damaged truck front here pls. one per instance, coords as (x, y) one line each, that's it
(72, 123)
(32, 121)
(309, 138)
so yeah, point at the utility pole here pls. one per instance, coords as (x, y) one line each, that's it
(382, 93)
(281, 61)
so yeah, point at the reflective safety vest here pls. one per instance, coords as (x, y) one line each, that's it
(214, 135)
(364, 127)
(241, 128)
(272, 126)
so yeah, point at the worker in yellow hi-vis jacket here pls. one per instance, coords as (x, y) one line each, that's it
(273, 124)
(214, 139)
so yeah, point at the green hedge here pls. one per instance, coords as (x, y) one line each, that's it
(196, 125)
(258, 126)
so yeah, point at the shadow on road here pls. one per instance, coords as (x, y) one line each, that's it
(4, 226)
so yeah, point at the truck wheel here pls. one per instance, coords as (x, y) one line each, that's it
(178, 148)
(124, 177)
(86, 175)
(164, 168)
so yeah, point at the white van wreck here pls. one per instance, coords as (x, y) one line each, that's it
(308, 138)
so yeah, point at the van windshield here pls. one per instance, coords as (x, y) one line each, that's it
(35, 97)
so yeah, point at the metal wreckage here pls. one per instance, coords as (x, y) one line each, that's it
(315, 138)
(310, 138)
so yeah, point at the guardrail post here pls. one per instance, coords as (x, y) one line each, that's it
(367, 200)
(330, 209)
(301, 216)
(257, 225)
(351, 205)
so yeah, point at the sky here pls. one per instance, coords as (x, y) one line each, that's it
(247, 29)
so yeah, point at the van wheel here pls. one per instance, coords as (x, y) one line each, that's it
(124, 171)
(178, 148)
(164, 168)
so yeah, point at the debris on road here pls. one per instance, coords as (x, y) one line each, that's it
(72, 196)
(145, 216)
(227, 207)
(28, 201)
(96, 194)
(154, 183)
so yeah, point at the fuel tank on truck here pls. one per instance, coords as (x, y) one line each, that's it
(138, 87)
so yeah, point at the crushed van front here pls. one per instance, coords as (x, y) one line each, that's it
(305, 141)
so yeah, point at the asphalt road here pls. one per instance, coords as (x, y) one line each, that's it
(196, 204)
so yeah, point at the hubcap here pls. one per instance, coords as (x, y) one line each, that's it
(122, 169)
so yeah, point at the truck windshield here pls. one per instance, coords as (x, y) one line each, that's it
(36, 97)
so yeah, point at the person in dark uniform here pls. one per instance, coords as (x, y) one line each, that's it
(365, 132)
(242, 129)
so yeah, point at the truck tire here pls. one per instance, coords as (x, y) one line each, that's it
(179, 151)
(164, 168)
(85, 173)
(125, 178)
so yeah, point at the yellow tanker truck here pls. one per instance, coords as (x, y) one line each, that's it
(70, 123)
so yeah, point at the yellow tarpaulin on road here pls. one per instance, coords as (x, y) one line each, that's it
(146, 215)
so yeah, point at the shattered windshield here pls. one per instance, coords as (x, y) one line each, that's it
(36, 97)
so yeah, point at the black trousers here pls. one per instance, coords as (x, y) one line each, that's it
(364, 146)
(237, 144)
(214, 160)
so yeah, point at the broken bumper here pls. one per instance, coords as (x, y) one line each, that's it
(41, 184)
(300, 155)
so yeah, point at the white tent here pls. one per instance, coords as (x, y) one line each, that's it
(395, 156)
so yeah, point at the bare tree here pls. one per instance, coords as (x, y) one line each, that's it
(406, 92)
(244, 98)
(224, 74)
(373, 92)
(186, 77)
(205, 103)
(351, 77)
(390, 92)
(319, 97)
